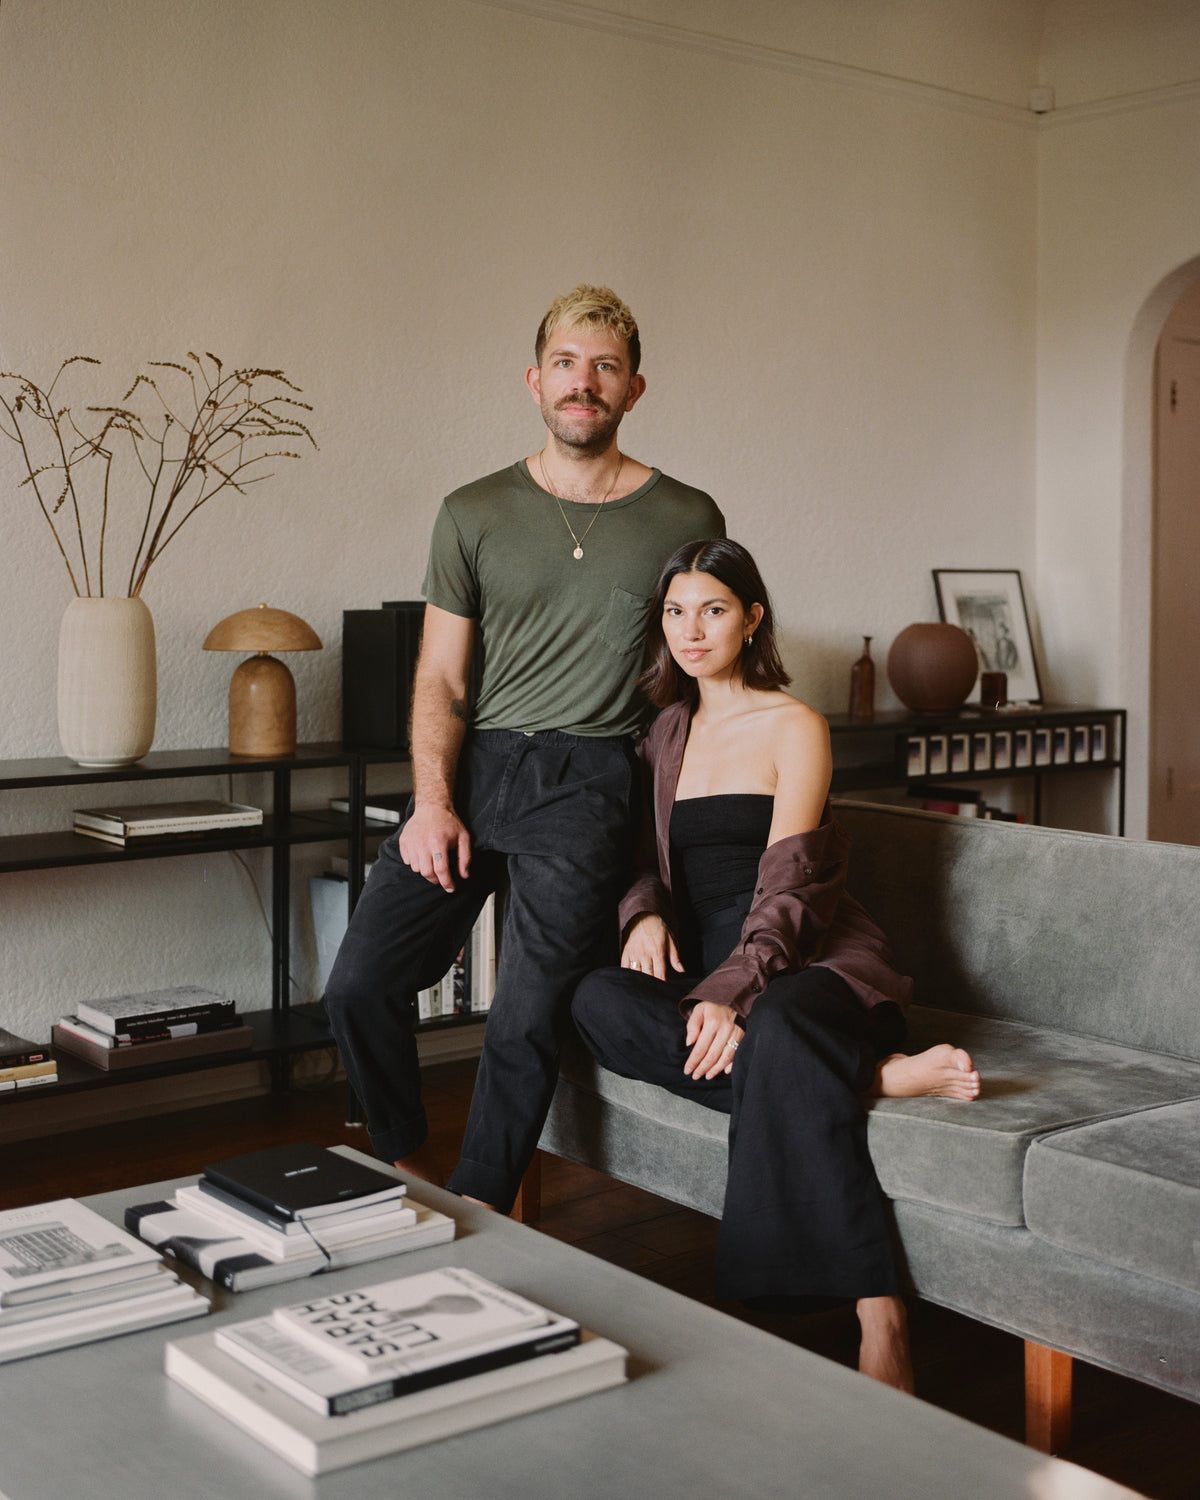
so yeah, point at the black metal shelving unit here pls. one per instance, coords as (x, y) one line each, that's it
(280, 1031)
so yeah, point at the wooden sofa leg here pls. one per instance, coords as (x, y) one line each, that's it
(528, 1207)
(1047, 1398)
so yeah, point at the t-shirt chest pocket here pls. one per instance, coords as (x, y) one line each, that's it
(624, 626)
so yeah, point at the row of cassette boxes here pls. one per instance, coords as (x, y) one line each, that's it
(994, 750)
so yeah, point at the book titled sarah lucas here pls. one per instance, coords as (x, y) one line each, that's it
(339, 1353)
(268, 1377)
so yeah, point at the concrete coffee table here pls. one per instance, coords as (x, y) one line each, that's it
(713, 1407)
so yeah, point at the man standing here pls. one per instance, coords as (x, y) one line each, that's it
(552, 562)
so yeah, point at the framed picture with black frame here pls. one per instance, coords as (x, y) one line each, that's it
(989, 604)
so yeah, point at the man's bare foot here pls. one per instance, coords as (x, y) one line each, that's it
(424, 1164)
(884, 1353)
(941, 1072)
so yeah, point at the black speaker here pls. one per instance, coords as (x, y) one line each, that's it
(379, 653)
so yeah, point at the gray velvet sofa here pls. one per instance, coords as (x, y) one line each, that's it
(1064, 1204)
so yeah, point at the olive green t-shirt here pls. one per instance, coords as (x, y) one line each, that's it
(562, 638)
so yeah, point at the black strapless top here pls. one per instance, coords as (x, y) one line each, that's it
(716, 844)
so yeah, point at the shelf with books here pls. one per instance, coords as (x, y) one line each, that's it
(276, 1033)
(906, 751)
(61, 848)
(274, 1037)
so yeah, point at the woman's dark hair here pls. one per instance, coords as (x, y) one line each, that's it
(729, 563)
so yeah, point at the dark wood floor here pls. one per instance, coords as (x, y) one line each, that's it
(1123, 1430)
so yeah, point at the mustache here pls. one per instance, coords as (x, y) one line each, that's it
(583, 398)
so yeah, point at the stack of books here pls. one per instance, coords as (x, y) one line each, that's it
(164, 822)
(68, 1276)
(123, 1031)
(24, 1064)
(363, 1373)
(285, 1213)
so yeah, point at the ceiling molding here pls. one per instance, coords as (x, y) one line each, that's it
(1120, 104)
(776, 59)
(750, 54)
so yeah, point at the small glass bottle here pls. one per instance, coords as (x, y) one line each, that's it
(862, 685)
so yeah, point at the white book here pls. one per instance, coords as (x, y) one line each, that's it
(110, 1041)
(73, 1026)
(152, 1281)
(379, 1331)
(325, 1386)
(359, 1228)
(221, 1254)
(167, 817)
(483, 959)
(380, 807)
(316, 1445)
(209, 1193)
(65, 1329)
(52, 1247)
(125, 1013)
(238, 1263)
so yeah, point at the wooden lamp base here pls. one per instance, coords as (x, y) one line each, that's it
(262, 708)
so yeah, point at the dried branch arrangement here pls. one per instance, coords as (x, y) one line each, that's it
(188, 432)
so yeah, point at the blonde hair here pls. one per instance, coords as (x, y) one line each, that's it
(591, 307)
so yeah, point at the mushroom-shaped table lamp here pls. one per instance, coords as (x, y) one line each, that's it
(262, 691)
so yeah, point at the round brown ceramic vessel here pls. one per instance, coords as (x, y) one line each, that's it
(932, 667)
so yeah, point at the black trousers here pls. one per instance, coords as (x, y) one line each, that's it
(804, 1215)
(549, 816)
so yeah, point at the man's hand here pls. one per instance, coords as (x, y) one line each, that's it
(651, 948)
(435, 843)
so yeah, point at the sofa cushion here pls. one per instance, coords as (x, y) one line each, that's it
(970, 1157)
(965, 1157)
(1123, 1191)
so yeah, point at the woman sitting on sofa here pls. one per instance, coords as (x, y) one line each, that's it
(749, 980)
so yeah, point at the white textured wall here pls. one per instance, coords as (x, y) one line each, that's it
(834, 269)
(1119, 242)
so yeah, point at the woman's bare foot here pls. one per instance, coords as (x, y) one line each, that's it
(424, 1164)
(884, 1353)
(941, 1072)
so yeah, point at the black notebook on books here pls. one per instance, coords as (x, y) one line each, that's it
(300, 1181)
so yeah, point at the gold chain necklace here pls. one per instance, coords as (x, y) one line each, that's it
(578, 540)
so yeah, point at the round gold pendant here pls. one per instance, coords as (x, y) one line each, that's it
(578, 553)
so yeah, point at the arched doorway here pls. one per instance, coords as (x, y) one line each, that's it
(1173, 810)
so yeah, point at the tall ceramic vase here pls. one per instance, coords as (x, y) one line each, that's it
(107, 689)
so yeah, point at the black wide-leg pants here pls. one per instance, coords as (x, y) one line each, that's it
(549, 815)
(804, 1215)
